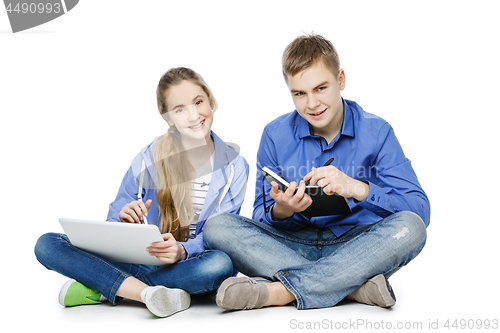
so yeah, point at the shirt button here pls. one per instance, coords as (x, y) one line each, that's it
(373, 198)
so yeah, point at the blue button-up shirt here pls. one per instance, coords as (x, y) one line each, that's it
(365, 149)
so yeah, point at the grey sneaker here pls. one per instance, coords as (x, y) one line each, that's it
(164, 302)
(376, 291)
(242, 293)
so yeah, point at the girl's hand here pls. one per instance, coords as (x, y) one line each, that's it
(169, 251)
(135, 211)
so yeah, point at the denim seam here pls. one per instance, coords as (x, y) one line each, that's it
(199, 255)
(293, 239)
(320, 243)
(291, 289)
(265, 226)
(201, 291)
(115, 285)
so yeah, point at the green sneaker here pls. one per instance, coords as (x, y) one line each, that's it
(74, 293)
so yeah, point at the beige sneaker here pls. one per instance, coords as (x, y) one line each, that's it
(242, 293)
(375, 291)
(164, 302)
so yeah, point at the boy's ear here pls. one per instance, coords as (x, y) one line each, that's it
(341, 79)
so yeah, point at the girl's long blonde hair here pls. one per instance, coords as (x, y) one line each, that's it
(173, 167)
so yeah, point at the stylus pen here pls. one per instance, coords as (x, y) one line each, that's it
(144, 219)
(139, 193)
(326, 164)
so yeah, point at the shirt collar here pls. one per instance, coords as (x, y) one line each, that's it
(347, 125)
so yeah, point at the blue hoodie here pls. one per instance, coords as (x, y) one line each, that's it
(225, 194)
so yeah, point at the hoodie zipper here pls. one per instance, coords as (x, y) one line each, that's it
(228, 184)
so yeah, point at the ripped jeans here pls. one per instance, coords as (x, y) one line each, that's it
(317, 267)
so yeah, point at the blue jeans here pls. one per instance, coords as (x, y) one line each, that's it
(199, 274)
(317, 267)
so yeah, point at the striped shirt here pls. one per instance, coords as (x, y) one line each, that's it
(199, 192)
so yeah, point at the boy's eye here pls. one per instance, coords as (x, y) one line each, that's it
(298, 94)
(179, 110)
(321, 88)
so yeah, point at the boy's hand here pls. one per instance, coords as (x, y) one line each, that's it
(134, 211)
(332, 180)
(169, 251)
(288, 203)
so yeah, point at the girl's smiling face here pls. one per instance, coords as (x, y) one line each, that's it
(189, 111)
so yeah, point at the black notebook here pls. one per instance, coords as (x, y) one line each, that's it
(322, 203)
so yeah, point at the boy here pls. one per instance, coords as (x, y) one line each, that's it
(317, 262)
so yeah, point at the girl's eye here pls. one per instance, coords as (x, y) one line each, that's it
(198, 102)
(178, 110)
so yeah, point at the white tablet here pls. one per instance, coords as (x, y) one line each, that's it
(114, 241)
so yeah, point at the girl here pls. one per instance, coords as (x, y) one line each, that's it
(176, 182)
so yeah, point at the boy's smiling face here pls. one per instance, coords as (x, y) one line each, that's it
(316, 95)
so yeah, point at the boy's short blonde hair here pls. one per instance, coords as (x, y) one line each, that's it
(306, 51)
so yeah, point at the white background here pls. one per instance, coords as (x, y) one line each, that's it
(77, 98)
